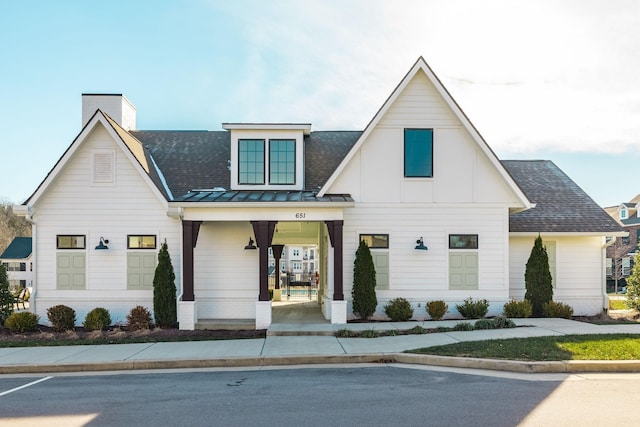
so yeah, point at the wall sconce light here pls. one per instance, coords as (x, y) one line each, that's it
(420, 245)
(250, 245)
(103, 244)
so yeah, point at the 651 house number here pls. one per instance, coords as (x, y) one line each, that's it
(300, 215)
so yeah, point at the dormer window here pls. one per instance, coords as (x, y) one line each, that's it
(623, 213)
(251, 161)
(267, 156)
(282, 161)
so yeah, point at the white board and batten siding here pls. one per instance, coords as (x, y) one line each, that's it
(466, 195)
(576, 268)
(226, 276)
(76, 205)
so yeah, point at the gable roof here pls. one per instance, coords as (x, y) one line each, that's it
(561, 206)
(19, 248)
(131, 147)
(422, 66)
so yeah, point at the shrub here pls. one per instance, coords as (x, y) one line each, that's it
(363, 292)
(417, 330)
(557, 309)
(500, 322)
(471, 309)
(369, 333)
(97, 319)
(164, 291)
(138, 318)
(22, 322)
(346, 333)
(463, 326)
(518, 309)
(483, 324)
(62, 318)
(6, 297)
(437, 309)
(633, 285)
(399, 310)
(537, 278)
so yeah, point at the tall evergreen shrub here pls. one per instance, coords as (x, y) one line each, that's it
(363, 292)
(6, 297)
(537, 278)
(164, 291)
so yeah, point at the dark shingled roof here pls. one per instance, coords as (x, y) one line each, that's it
(199, 159)
(561, 206)
(189, 159)
(19, 248)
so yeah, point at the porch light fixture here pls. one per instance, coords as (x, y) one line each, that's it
(250, 245)
(103, 244)
(420, 245)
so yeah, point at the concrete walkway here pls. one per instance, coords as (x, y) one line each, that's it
(296, 344)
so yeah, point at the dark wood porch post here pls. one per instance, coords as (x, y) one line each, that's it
(190, 230)
(263, 232)
(335, 236)
(277, 254)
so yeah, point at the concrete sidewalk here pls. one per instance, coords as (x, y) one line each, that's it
(296, 344)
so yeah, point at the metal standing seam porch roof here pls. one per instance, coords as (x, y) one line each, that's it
(261, 196)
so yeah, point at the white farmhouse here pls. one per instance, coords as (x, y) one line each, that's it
(444, 217)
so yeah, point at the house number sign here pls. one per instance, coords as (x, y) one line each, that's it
(300, 215)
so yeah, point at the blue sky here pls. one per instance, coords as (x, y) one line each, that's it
(540, 79)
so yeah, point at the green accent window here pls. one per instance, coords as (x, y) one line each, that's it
(418, 153)
(251, 161)
(282, 161)
(70, 242)
(135, 241)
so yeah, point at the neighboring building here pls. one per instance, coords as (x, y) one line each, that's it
(621, 251)
(17, 261)
(443, 216)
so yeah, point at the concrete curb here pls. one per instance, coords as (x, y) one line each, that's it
(570, 366)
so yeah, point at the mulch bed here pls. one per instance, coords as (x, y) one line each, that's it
(115, 335)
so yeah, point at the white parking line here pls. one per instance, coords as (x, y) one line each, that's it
(4, 393)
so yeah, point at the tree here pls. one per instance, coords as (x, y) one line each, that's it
(537, 278)
(164, 291)
(6, 297)
(618, 252)
(633, 284)
(11, 225)
(363, 292)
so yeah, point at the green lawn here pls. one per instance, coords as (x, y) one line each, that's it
(617, 304)
(568, 347)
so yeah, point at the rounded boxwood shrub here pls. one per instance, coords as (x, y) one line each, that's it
(501, 322)
(97, 319)
(483, 324)
(471, 309)
(436, 309)
(517, 309)
(399, 310)
(22, 322)
(557, 310)
(62, 317)
(138, 318)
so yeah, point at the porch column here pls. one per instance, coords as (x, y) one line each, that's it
(190, 230)
(335, 236)
(263, 232)
(277, 254)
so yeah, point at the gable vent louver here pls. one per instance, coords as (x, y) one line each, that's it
(103, 168)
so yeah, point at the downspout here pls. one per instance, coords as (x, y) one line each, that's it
(603, 286)
(34, 273)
